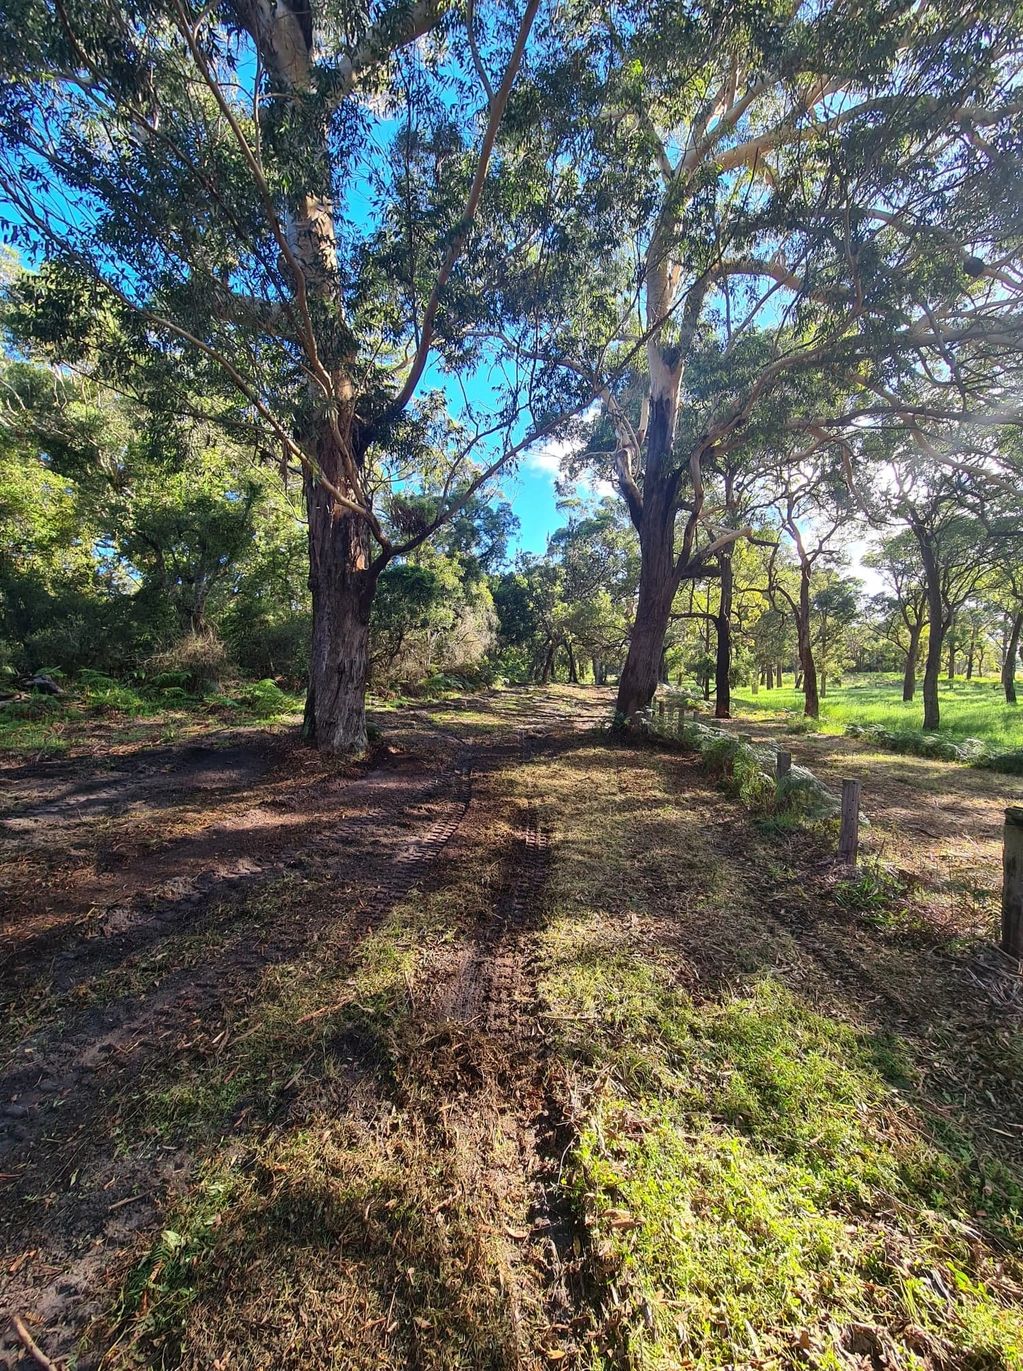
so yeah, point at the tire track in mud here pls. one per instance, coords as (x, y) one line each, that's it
(66, 1059)
(488, 991)
(509, 1102)
(53, 1105)
(59, 1131)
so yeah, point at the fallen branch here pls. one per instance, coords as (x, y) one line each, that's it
(31, 1346)
(327, 1009)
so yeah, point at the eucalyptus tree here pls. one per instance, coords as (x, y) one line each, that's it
(954, 552)
(296, 208)
(904, 606)
(814, 510)
(834, 608)
(948, 473)
(766, 196)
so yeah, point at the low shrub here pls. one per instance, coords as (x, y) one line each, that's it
(748, 771)
(263, 698)
(939, 747)
(196, 663)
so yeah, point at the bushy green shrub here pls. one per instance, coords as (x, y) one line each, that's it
(33, 707)
(803, 724)
(805, 797)
(1010, 763)
(748, 771)
(116, 699)
(263, 698)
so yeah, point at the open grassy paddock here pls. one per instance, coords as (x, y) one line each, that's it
(969, 709)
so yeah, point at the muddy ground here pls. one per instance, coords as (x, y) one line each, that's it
(149, 898)
(145, 898)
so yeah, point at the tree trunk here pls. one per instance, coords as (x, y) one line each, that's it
(824, 685)
(755, 682)
(798, 685)
(811, 705)
(937, 624)
(1009, 665)
(770, 677)
(912, 654)
(952, 660)
(723, 658)
(657, 585)
(971, 654)
(342, 583)
(573, 669)
(777, 676)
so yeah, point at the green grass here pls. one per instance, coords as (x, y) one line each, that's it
(51, 726)
(760, 1180)
(974, 709)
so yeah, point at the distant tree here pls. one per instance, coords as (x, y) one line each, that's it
(952, 551)
(834, 607)
(897, 558)
(814, 508)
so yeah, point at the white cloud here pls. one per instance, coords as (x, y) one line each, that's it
(547, 457)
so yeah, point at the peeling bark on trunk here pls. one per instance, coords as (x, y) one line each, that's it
(811, 705)
(657, 585)
(342, 583)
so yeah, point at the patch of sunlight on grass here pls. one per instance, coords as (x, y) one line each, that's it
(969, 709)
(758, 1187)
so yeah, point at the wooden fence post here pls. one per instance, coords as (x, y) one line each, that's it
(782, 766)
(1012, 882)
(660, 714)
(849, 833)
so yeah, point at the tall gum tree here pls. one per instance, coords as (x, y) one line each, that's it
(793, 190)
(297, 204)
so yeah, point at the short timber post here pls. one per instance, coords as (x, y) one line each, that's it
(782, 769)
(1012, 883)
(849, 832)
(681, 718)
(660, 715)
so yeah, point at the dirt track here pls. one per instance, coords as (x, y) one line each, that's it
(145, 904)
(161, 912)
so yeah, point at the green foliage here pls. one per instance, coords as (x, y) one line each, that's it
(872, 890)
(263, 699)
